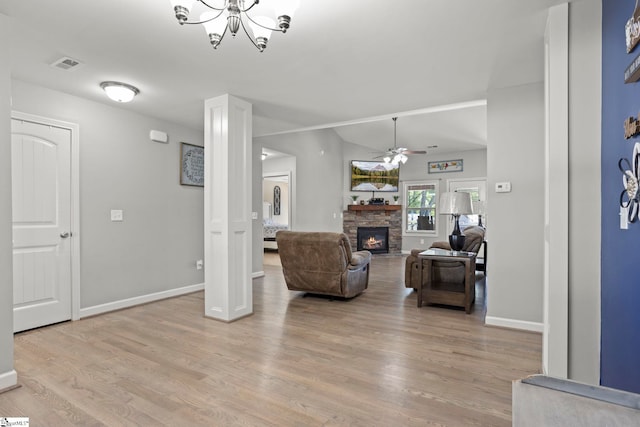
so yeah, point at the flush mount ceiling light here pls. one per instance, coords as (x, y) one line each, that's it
(233, 14)
(119, 92)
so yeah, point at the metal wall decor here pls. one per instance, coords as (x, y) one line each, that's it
(632, 33)
(632, 29)
(276, 200)
(631, 127)
(630, 196)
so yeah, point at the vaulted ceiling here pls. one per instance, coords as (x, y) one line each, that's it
(341, 62)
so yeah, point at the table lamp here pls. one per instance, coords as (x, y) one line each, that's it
(478, 209)
(456, 204)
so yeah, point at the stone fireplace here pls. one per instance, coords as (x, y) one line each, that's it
(373, 239)
(389, 216)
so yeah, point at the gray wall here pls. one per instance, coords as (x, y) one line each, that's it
(318, 179)
(475, 166)
(256, 200)
(157, 245)
(585, 76)
(6, 250)
(515, 153)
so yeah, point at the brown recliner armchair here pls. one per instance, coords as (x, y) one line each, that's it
(322, 263)
(443, 271)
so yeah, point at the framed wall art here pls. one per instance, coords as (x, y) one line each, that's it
(445, 166)
(191, 165)
(276, 200)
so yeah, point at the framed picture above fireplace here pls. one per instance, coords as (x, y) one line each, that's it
(367, 175)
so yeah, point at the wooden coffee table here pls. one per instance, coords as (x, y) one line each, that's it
(456, 294)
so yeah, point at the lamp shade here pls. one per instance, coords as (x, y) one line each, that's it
(454, 203)
(478, 207)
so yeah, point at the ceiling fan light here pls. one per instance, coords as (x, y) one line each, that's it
(387, 159)
(403, 158)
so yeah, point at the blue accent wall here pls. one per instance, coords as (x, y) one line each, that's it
(620, 354)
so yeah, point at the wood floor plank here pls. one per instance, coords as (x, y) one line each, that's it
(375, 360)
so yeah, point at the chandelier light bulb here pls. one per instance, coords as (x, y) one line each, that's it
(213, 23)
(258, 26)
(181, 9)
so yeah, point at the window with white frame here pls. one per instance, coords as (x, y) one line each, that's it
(419, 207)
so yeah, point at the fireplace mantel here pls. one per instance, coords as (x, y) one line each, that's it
(385, 208)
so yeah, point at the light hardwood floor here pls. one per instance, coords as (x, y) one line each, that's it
(376, 360)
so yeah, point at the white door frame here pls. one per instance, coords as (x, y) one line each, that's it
(449, 224)
(555, 335)
(74, 129)
(290, 185)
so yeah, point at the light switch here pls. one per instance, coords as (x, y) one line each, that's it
(254, 215)
(117, 215)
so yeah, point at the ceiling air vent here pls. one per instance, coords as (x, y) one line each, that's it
(66, 63)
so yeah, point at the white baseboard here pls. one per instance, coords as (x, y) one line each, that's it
(514, 324)
(143, 299)
(257, 274)
(8, 379)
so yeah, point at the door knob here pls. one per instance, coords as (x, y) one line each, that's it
(65, 234)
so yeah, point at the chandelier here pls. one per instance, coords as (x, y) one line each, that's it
(230, 15)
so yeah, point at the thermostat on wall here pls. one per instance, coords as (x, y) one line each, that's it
(503, 187)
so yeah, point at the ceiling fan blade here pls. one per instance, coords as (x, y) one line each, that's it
(414, 152)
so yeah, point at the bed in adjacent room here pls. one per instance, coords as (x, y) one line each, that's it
(270, 228)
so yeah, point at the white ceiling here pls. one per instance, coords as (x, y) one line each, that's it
(341, 61)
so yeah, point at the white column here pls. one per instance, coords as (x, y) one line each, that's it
(227, 208)
(555, 336)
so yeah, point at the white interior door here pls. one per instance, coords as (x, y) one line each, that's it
(41, 199)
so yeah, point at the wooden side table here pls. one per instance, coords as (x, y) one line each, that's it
(456, 294)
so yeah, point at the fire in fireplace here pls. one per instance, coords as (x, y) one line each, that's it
(373, 239)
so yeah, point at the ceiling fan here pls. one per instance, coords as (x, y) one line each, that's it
(397, 154)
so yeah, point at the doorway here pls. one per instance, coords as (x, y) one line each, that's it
(44, 164)
(478, 189)
(276, 206)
